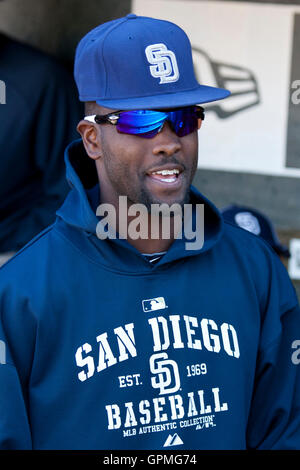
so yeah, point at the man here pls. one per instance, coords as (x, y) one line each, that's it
(39, 112)
(102, 349)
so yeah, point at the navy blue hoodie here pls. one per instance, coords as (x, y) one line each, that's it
(102, 350)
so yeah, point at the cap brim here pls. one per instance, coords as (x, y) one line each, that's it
(200, 95)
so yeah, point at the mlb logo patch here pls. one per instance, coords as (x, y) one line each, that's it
(157, 303)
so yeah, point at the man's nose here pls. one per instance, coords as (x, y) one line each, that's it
(166, 142)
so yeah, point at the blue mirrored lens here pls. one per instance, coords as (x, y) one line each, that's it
(147, 123)
(184, 121)
(140, 121)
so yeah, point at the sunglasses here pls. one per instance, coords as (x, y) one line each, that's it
(148, 123)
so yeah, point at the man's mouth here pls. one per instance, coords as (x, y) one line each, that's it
(168, 176)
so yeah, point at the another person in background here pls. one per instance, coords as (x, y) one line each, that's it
(38, 119)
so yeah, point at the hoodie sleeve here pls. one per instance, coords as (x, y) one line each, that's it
(274, 421)
(14, 425)
(16, 354)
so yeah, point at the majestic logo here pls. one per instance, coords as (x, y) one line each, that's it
(173, 440)
(153, 304)
(163, 63)
(167, 375)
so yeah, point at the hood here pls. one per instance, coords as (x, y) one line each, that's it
(78, 211)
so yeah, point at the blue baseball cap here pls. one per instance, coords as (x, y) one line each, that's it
(136, 62)
(257, 223)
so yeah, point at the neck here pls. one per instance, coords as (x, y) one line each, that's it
(151, 245)
(147, 232)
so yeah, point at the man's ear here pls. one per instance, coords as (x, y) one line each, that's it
(91, 138)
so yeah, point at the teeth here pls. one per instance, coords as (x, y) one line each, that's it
(166, 172)
(169, 180)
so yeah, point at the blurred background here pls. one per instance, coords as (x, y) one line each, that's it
(249, 145)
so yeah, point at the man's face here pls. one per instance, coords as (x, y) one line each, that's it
(129, 164)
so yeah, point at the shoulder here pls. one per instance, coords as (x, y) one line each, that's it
(245, 241)
(32, 260)
(249, 249)
(256, 261)
(36, 277)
